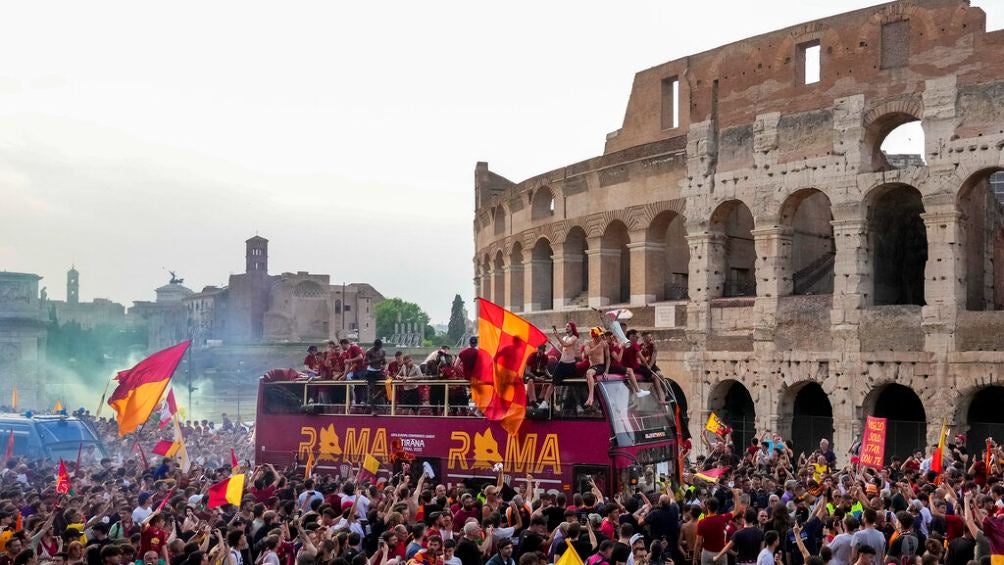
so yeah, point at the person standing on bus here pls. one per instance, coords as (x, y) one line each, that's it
(351, 359)
(617, 366)
(597, 353)
(376, 359)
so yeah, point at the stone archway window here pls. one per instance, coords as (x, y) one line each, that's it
(898, 241)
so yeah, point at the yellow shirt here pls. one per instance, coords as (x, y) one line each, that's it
(818, 471)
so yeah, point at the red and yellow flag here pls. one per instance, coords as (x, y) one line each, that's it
(368, 470)
(717, 426)
(13, 398)
(227, 491)
(62, 479)
(505, 342)
(939, 452)
(140, 388)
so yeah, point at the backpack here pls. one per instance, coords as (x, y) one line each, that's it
(908, 549)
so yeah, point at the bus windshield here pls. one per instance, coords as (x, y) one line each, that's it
(636, 420)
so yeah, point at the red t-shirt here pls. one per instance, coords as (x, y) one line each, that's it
(630, 357)
(352, 352)
(468, 359)
(311, 361)
(152, 539)
(712, 529)
(393, 368)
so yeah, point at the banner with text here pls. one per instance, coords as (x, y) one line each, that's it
(873, 443)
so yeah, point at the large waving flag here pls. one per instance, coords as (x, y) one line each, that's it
(570, 556)
(140, 388)
(505, 342)
(717, 426)
(711, 475)
(368, 470)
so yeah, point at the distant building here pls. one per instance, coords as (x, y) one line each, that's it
(256, 307)
(23, 337)
(166, 317)
(88, 314)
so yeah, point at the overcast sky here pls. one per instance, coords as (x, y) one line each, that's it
(138, 137)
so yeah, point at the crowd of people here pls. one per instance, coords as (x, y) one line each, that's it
(766, 506)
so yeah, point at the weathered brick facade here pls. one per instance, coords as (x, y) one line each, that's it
(752, 220)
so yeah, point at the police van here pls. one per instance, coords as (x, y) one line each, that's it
(49, 436)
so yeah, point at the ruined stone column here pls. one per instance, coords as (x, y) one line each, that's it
(567, 273)
(773, 279)
(707, 278)
(514, 287)
(602, 277)
(645, 272)
(852, 278)
(944, 277)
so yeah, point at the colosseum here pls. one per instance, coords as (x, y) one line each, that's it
(797, 277)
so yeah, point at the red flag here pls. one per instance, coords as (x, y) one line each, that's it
(140, 388)
(988, 457)
(139, 448)
(168, 408)
(234, 464)
(505, 341)
(62, 479)
(9, 454)
(167, 497)
(227, 491)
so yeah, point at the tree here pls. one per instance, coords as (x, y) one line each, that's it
(394, 310)
(458, 324)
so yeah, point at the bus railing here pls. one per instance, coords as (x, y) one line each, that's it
(419, 397)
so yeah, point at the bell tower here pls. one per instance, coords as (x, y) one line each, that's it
(256, 255)
(72, 286)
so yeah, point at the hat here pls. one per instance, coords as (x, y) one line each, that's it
(595, 331)
(871, 490)
(635, 538)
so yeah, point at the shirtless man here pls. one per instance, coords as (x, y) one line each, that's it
(597, 352)
(568, 344)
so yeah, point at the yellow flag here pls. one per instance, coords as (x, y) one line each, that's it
(13, 398)
(310, 465)
(569, 557)
(181, 454)
(58, 407)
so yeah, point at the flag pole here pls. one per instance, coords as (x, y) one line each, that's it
(101, 404)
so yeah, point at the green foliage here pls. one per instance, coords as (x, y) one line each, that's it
(458, 325)
(394, 310)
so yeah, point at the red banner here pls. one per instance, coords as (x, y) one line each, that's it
(873, 443)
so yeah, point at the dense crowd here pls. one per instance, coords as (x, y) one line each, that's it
(766, 507)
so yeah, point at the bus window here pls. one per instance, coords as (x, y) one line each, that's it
(282, 398)
(636, 420)
(583, 474)
(568, 400)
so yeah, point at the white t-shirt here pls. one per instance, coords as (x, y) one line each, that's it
(766, 557)
(362, 508)
(841, 548)
(139, 514)
(270, 559)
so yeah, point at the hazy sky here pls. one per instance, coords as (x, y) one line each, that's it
(139, 137)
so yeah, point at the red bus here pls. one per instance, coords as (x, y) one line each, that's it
(562, 446)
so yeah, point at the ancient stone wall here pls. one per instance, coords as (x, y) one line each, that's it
(813, 261)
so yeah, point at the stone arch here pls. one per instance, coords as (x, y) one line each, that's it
(498, 278)
(542, 275)
(897, 244)
(906, 417)
(881, 120)
(980, 416)
(982, 225)
(807, 214)
(498, 220)
(732, 222)
(574, 280)
(805, 415)
(542, 204)
(733, 402)
(615, 264)
(669, 265)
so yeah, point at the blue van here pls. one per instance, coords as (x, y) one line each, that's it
(48, 436)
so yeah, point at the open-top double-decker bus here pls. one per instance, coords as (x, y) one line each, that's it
(562, 446)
